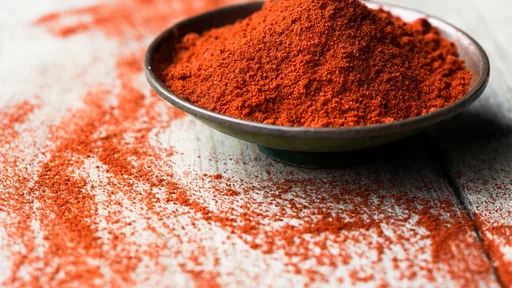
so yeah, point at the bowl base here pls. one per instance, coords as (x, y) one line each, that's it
(309, 160)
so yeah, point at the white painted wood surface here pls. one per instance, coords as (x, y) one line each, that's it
(396, 191)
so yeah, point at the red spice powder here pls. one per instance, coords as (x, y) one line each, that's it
(135, 19)
(449, 231)
(319, 64)
(11, 118)
(67, 210)
(495, 239)
(109, 202)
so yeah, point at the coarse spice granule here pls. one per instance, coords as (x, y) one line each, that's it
(318, 64)
(115, 194)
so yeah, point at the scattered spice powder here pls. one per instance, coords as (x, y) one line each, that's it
(319, 64)
(152, 17)
(103, 202)
(496, 239)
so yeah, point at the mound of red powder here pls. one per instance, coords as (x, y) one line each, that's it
(330, 63)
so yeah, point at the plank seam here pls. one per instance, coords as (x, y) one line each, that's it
(442, 160)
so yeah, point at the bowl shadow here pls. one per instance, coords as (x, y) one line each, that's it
(404, 149)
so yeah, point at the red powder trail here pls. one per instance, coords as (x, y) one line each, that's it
(136, 20)
(66, 208)
(495, 238)
(12, 116)
(449, 231)
(77, 136)
(12, 172)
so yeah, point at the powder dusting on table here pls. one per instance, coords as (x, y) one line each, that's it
(318, 64)
(497, 238)
(104, 199)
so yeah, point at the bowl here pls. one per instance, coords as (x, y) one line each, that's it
(302, 145)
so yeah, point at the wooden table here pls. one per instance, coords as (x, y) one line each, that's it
(433, 210)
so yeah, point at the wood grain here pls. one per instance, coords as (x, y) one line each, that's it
(398, 220)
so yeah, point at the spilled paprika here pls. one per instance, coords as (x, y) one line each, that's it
(332, 63)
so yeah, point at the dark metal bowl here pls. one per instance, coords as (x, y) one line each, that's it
(300, 139)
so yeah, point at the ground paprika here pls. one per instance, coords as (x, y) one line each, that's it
(330, 63)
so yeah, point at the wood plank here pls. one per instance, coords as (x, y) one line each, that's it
(478, 143)
(105, 184)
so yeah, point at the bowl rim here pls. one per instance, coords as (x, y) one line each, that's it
(369, 131)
